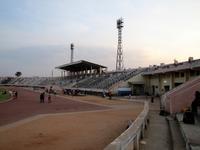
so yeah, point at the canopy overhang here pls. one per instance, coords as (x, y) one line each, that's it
(80, 66)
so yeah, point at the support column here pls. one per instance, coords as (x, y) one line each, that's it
(187, 75)
(172, 80)
(60, 74)
(159, 84)
(91, 71)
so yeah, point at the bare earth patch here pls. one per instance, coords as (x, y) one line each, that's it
(87, 130)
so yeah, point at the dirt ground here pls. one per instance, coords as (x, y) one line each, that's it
(80, 129)
(27, 104)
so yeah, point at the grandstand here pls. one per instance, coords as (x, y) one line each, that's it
(153, 80)
(5, 80)
(176, 82)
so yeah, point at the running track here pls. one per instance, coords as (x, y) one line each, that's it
(27, 104)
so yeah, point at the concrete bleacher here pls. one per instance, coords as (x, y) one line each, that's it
(190, 132)
(97, 82)
(107, 80)
(27, 81)
(177, 141)
(5, 80)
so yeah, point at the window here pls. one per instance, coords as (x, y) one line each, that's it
(176, 74)
(177, 84)
(168, 75)
(182, 74)
(197, 73)
(192, 73)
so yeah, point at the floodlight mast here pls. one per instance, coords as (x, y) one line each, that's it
(119, 60)
(72, 52)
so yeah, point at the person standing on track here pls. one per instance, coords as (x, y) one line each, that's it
(110, 94)
(49, 98)
(42, 97)
(16, 94)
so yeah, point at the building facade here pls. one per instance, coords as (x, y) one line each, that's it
(157, 80)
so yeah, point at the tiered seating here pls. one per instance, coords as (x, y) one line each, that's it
(107, 80)
(84, 82)
(123, 76)
(5, 80)
(98, 80)
(104, 84)
(27, 80)
(103, 81)
(13, 80)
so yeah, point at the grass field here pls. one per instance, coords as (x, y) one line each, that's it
(4, 94)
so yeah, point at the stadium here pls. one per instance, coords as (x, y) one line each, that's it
(173, 87)
(91, 107)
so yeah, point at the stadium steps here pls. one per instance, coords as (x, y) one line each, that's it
(190, 132)
(82, 83)
(6, 80)
(175, 133)
(13, 81)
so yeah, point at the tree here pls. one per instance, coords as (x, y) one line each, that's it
(18, 74)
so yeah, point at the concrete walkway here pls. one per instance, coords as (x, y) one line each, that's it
(157, 135)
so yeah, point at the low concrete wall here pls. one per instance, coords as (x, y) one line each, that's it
(129, 139)
(180, 97)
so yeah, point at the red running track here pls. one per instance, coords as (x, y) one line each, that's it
(27, 104)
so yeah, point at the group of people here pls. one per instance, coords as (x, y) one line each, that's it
(50, 90)
(42, 97)
(109, 94)
(14, 94)
(73, 92)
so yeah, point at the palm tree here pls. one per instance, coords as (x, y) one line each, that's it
(18, 74)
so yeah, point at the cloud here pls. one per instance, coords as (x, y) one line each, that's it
(35, 35)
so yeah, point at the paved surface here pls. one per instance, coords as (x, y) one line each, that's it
(27, 105)
(157, 135)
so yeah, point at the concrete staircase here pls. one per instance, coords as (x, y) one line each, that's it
(175, 134)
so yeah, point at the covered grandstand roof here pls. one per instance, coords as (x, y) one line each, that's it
(194, 64)
(80, 66)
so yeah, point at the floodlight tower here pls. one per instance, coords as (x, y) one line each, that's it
(72, 52)
(119, 61)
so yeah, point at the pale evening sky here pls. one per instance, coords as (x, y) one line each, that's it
(36, 34)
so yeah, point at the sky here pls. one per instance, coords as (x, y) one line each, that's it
(35, 35)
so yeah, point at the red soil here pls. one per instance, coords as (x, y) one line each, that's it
(27, 104)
